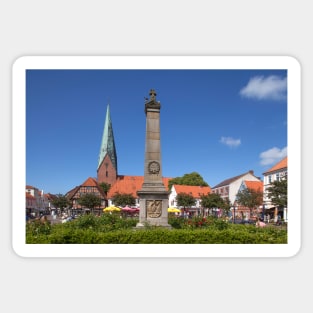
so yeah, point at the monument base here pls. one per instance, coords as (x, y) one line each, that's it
(153, 209)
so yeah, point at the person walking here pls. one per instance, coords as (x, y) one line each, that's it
(268, 218)
(260, 223)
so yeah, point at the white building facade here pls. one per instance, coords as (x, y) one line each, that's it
(39, 202)
(276, 173)
(230, 187)
(195, 191)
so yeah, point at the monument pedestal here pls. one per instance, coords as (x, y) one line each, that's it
(153, 208)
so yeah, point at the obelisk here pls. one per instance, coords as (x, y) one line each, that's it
(153, 196)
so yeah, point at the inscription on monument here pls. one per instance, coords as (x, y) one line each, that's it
(154, 208)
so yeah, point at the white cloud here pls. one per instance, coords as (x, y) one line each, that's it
(265, 88)
(273, 155)
(230, 142)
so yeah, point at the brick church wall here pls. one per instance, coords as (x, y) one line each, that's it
(106, 172)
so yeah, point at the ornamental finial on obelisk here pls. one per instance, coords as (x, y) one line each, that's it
(152, 103)
(152, 94)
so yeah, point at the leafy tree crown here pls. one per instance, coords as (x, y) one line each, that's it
(191, 179)
(89, 200)
(123, 199)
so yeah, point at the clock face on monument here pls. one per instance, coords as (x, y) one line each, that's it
(154, 167)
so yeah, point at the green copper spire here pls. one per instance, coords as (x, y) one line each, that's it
(107, 143)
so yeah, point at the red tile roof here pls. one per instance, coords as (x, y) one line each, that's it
(50, 196)
(29, 196)
(254, 185)
(130, 185)
(30, 187)
(280, 165)
(90, 182)
(70, 194)
(195, 191)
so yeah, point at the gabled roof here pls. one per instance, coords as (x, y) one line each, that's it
(50, 196)
(195, 191)
(70, 194)
(254, 185)
(130, 185)
(89, 182)
(278, 166)
(228, 181)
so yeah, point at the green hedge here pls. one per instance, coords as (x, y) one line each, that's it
(110, 229)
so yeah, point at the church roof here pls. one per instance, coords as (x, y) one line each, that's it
(107, 143)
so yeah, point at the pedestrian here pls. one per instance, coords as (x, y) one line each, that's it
(268, 218)
(260, 223)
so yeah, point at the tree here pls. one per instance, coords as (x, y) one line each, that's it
(212, 201)
(123, 199)
(250, 198)
(278, 193)
(226, 206)
(191, 179)
(89, 200)
(60, 201)
(185, 200)
(105, 187)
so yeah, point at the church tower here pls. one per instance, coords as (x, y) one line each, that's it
(107, 162)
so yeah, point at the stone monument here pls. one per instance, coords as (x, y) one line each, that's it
(153, 196)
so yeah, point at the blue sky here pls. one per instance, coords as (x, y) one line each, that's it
(219, 123)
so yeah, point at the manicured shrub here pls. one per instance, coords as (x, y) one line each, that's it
(85, 221)
(99, 233)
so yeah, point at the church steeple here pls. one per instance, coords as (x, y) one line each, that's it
(107, 161)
